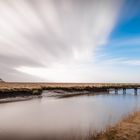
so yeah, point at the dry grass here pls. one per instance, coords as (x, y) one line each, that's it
(68, 85)
(127, 129)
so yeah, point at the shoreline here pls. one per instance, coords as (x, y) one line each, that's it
(26, 89)
(8, 90)
(54, 94)
(18, 98)
(64, 90)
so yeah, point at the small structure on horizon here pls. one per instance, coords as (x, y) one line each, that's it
(1, 80)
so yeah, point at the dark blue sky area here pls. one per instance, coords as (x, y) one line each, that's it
(127, 28)
(128, 24)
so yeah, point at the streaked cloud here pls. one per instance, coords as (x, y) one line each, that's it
(57, 40)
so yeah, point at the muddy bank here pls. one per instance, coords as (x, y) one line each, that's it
(127, 129)
(7, 93)
(67, 94)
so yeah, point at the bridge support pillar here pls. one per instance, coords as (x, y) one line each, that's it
(108, 91)
(116, 91)
(135, 91)
(124, 90)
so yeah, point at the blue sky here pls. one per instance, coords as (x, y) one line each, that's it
(70, 41)
(121, 52)
(124, 41)
(123, 46)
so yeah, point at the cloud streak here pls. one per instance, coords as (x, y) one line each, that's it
(53, 37)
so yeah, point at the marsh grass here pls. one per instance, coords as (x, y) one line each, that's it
(127, 129)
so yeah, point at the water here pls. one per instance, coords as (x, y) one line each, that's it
(58, 116)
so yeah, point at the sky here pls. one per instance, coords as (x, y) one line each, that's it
(70, 40)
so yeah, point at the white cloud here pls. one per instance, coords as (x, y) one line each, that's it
(49, 33)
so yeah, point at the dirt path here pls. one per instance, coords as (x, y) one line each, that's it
(128, 129)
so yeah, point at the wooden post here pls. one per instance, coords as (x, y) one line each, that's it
(116, 91)
(108, 90)
(135, 91)
(124, 90)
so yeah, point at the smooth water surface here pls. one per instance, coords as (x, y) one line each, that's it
(58, 116)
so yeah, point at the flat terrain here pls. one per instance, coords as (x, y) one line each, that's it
(128, 129)
(13, 85)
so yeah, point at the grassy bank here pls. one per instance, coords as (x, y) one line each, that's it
(127, 129)
(93, 87)
(26, 89)
(17, 89)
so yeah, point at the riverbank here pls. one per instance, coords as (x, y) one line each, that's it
(26, 89)
(8, 90)
(127, 129)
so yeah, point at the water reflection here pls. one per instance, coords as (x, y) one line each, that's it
(78, 115)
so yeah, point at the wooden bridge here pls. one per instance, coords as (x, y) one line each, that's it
(122, 86)
(124, 90)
